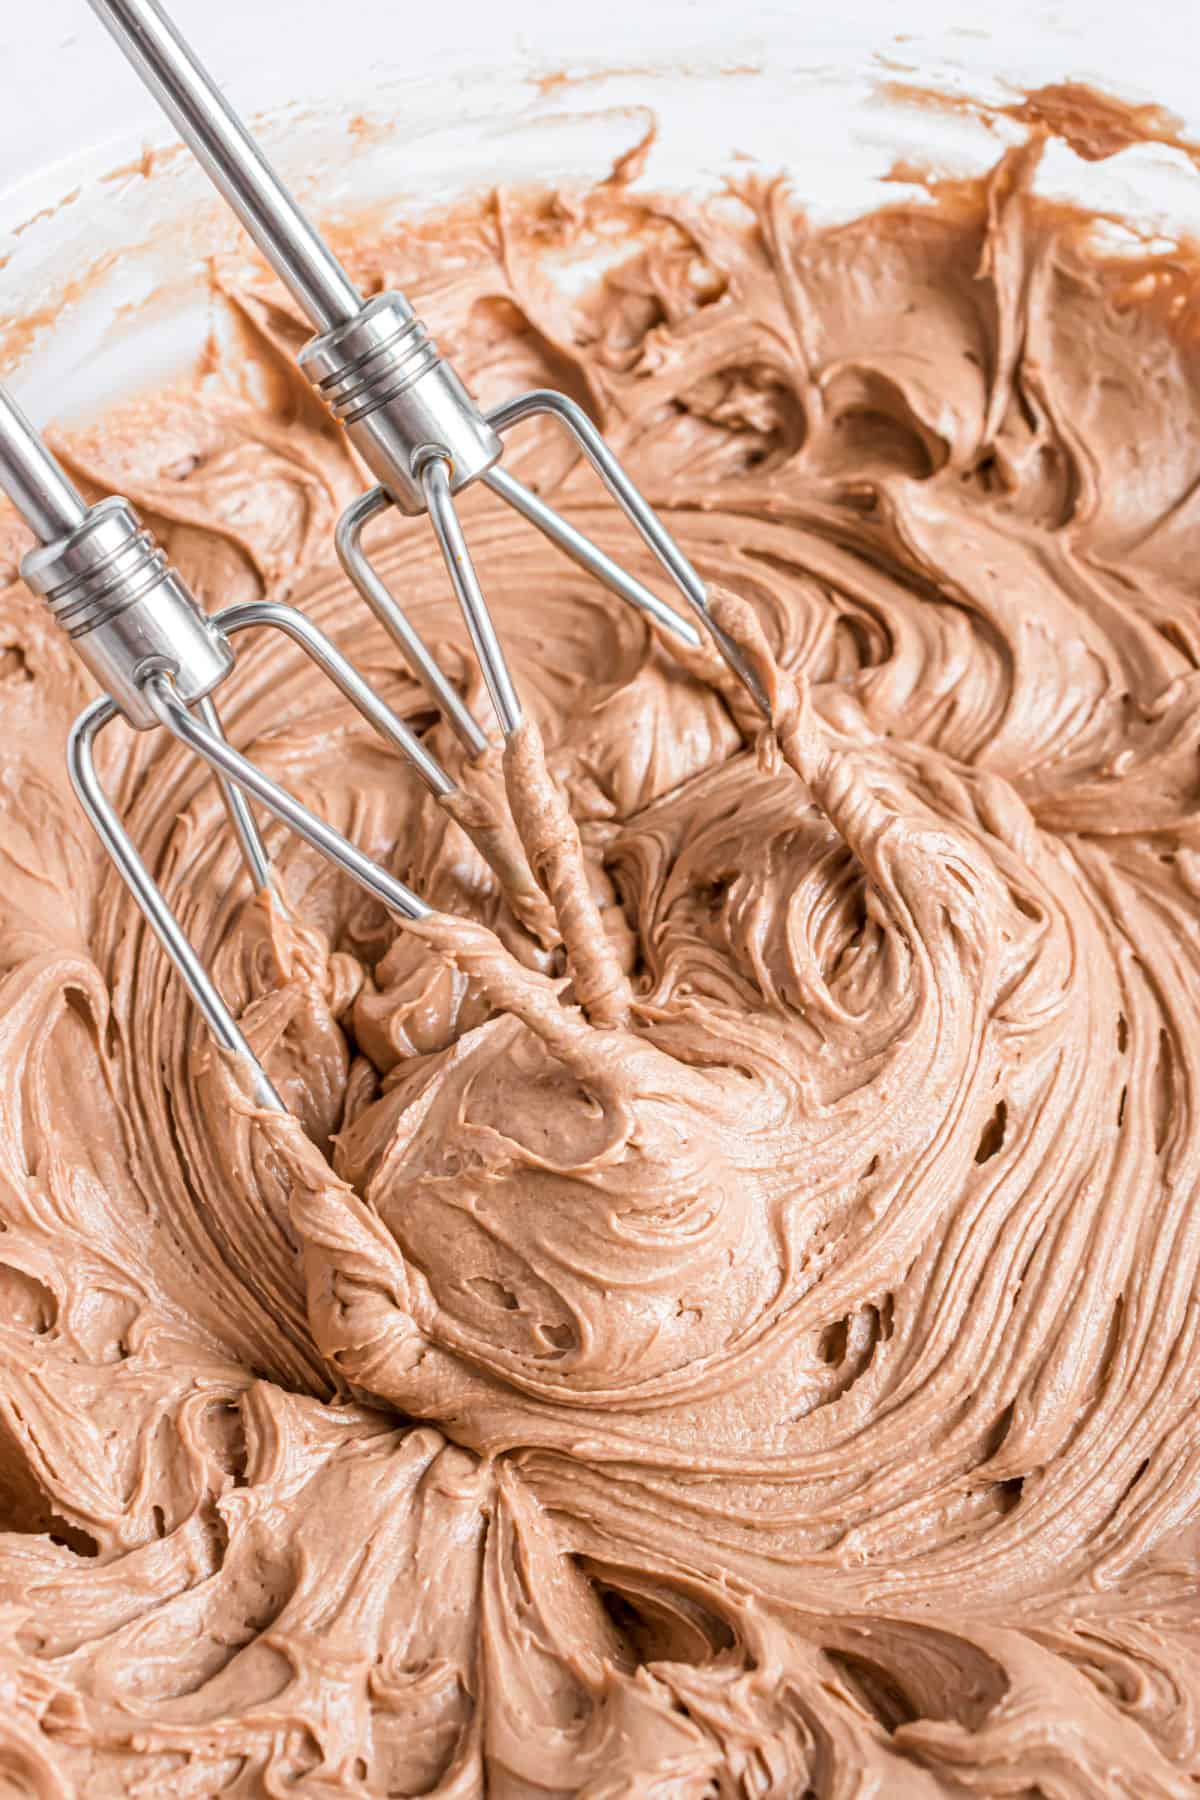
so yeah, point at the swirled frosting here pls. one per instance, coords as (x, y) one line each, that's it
(784, 1383)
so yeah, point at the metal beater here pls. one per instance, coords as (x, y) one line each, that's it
(159, 659)
(402, 406)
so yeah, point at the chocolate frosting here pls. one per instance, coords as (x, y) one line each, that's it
(741, 1336)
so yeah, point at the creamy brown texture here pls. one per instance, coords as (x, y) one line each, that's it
(792, 1389)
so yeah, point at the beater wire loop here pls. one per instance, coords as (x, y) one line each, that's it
(81, 766)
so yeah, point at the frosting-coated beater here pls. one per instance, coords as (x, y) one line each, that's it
(159, 659)
(400, 403)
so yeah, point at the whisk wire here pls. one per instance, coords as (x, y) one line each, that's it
(549, 403)
(219, 753)
(460, 566)
(408, 640)
(587, 555)
(245, 828)
(106, 823)
(432, 468)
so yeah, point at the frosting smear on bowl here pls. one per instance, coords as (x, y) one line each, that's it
(789, 1387)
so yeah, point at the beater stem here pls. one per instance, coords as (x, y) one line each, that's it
(211, 129)
(42, 492)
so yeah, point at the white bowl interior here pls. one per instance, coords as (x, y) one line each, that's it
(104, 287)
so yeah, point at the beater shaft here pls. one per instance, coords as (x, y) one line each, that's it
(212, 130)
(40, 489)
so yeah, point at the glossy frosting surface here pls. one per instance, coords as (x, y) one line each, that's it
(791, 1387)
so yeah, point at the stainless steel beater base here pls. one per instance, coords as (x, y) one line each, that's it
(127, 613)
(382, 378)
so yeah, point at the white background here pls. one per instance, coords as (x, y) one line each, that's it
(63, 88)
